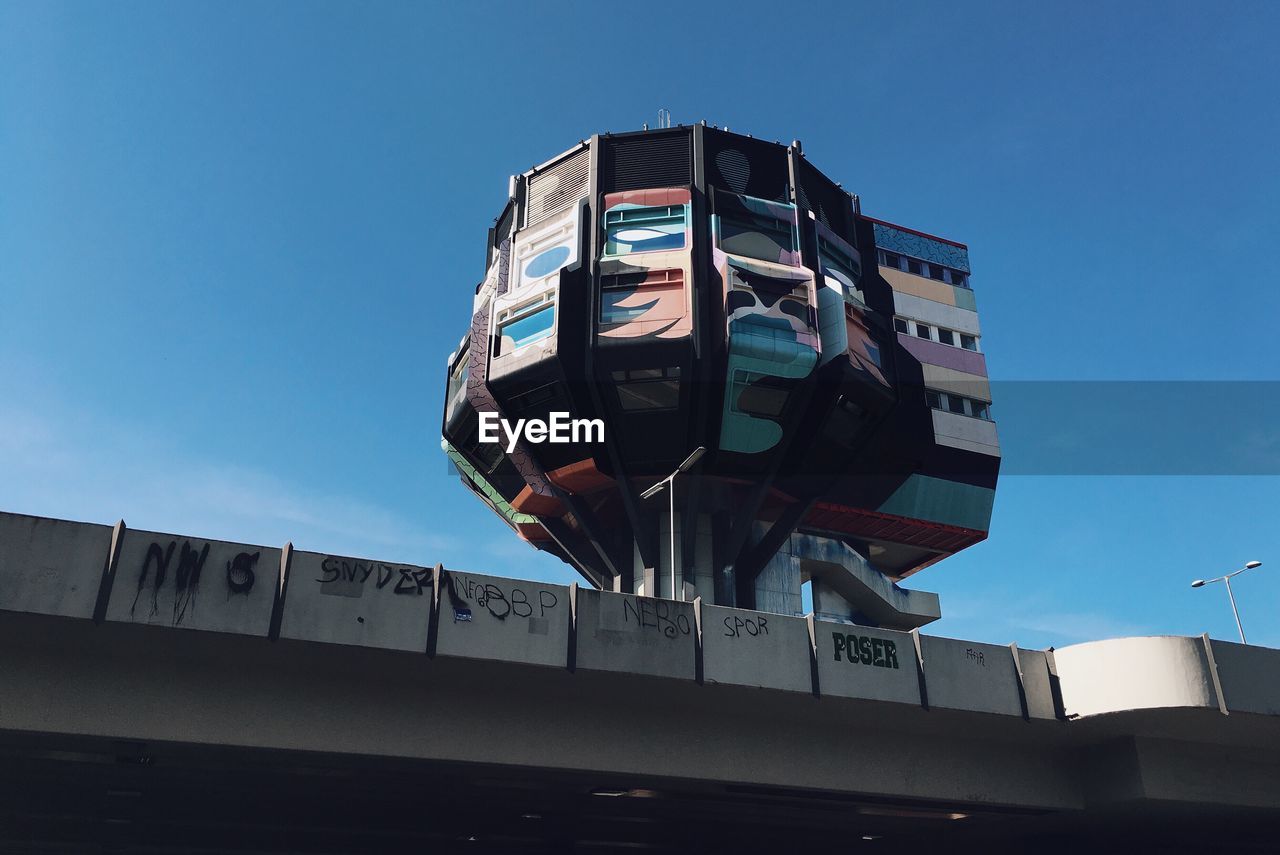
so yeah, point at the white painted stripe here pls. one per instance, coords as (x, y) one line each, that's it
(939, 314)
(964, 432)
(960, 382)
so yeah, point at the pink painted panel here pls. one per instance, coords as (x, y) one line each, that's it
(934, 353)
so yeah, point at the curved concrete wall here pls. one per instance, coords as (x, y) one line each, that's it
(1122, 674)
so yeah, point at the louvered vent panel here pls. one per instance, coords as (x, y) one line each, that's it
(558, 188)
(638, 163)
(832, 205)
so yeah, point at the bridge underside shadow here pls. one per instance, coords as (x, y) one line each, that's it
(132, 739)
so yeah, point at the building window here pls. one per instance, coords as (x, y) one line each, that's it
(890, 259)
(525, 324)
(928, 269)
(659, 294)
(458, 376)
(653, 229)
(641, 389)
(756, 236)
(949, 337)
(958, 404)
(759, 394)
(839, 268)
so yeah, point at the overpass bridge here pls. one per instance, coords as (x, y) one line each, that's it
(167, 693)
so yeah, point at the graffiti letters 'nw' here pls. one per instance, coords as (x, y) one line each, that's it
(186, 575)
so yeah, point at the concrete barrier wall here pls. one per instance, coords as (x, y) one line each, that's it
(635, 635)
(747, 648)
(867, 663)
(1250, 677)
(488, 617)
(356, 601)
(1037, 684)
(56, 567)
(51, 567)
(967, 675)
(173, 580)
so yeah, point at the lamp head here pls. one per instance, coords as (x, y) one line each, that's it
(693, 458)
(1250, 565)
(1199, 583)
(654, 490)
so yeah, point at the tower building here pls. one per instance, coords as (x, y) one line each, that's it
(690, 288)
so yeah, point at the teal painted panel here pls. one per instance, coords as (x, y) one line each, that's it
(965, 299)
(756, 348)
(942, 501)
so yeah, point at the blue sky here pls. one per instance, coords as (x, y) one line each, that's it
(238, 241)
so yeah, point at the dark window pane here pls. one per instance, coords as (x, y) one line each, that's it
(981, 410)
(968, 342)
(946, 336)
(900, 325)
(913, 266)
(649, 395)
(760, 400)
(761, 237)
(955, 404)
(892, 259)
(932, 399)
(922, 331)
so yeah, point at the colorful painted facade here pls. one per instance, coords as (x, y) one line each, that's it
(691, 288)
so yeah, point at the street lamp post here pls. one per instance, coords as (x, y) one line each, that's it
(1200, 583)
(669, 483)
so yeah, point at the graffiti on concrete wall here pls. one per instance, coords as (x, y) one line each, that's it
(753, 626)
(500, 601)
(345, 577)
(657, 615)
(186, 576)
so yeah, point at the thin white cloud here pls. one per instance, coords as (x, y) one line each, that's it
(1030, 621)
(47, 469)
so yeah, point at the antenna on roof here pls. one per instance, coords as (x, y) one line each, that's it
(664, 117)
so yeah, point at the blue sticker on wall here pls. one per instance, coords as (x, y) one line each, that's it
(463, 615)
(547, 262)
